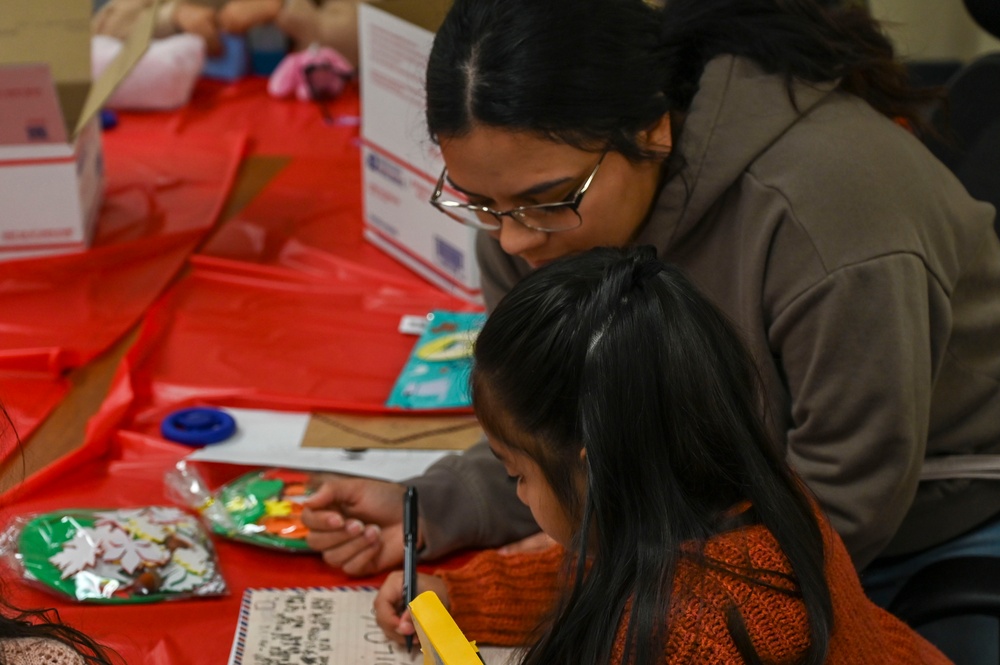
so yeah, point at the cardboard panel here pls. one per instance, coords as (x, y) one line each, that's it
(428, 14)
(52, 31)
(117, 69)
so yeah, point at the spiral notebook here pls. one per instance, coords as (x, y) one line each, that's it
(321, 625)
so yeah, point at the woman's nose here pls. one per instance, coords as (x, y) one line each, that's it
(516, 238)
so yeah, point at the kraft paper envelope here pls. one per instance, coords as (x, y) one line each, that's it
(338, 430)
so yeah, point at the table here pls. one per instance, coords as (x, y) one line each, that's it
(63, 430)
(290, 231)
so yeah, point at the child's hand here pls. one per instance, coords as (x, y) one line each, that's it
(396, 624)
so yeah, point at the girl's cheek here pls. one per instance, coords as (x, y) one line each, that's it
(522, 494)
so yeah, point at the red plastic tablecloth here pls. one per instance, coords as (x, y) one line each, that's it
(60, 312)
(188, 632)
(28, 398)
(274, 126)
(308, 219)
(183, 632)
(285, 307)
(163, 193)
(241, 335)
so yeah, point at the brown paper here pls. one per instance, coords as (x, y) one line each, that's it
(338, 430)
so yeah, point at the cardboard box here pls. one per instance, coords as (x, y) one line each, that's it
(51, 164)
(400, 163)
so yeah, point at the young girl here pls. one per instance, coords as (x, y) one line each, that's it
(627, 410)
(36, 637)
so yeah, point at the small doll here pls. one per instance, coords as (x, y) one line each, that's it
(319, 73)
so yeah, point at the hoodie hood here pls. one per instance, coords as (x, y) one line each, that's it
(737, 113)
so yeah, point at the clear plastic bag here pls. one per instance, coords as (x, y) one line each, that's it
(262, 507)
(124, 555)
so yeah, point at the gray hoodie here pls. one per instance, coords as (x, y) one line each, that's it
(866, 283)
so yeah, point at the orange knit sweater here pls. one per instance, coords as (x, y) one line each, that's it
(501, 600)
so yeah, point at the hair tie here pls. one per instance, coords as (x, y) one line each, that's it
(646, 270)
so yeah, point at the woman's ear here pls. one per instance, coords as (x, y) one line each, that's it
(583, 454)
(658, 138)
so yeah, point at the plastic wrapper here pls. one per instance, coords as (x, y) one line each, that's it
(115, 556)
(263, 507)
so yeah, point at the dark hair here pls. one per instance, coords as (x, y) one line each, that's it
(45, 624)
(42, 623)
(594, 73)
(614, 351)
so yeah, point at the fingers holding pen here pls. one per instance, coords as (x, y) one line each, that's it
(390, 612)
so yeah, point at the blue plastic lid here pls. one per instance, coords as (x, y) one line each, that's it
(109, 119)
(198, 426)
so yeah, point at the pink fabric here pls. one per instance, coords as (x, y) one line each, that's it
(331, 71)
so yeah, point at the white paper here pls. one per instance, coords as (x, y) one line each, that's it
(274, 438)
(321, 626)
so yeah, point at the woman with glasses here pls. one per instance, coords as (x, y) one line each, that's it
(768, 149)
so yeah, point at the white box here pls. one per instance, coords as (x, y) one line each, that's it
(400, 164)
(51, 162)
(50, 195)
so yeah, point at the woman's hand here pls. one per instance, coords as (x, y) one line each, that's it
(356, 523)
(389, 606)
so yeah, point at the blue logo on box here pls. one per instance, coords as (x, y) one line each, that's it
(448, 256)
(37, 132)
(385, 168)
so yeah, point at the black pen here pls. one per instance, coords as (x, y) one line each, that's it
(409, 552)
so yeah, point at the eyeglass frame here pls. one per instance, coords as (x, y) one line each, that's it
(572, 203)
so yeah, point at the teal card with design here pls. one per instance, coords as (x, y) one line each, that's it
(436, 375)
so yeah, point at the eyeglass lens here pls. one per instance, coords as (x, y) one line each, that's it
(552, 218)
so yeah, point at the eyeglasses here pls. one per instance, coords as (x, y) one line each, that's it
(547, 217)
